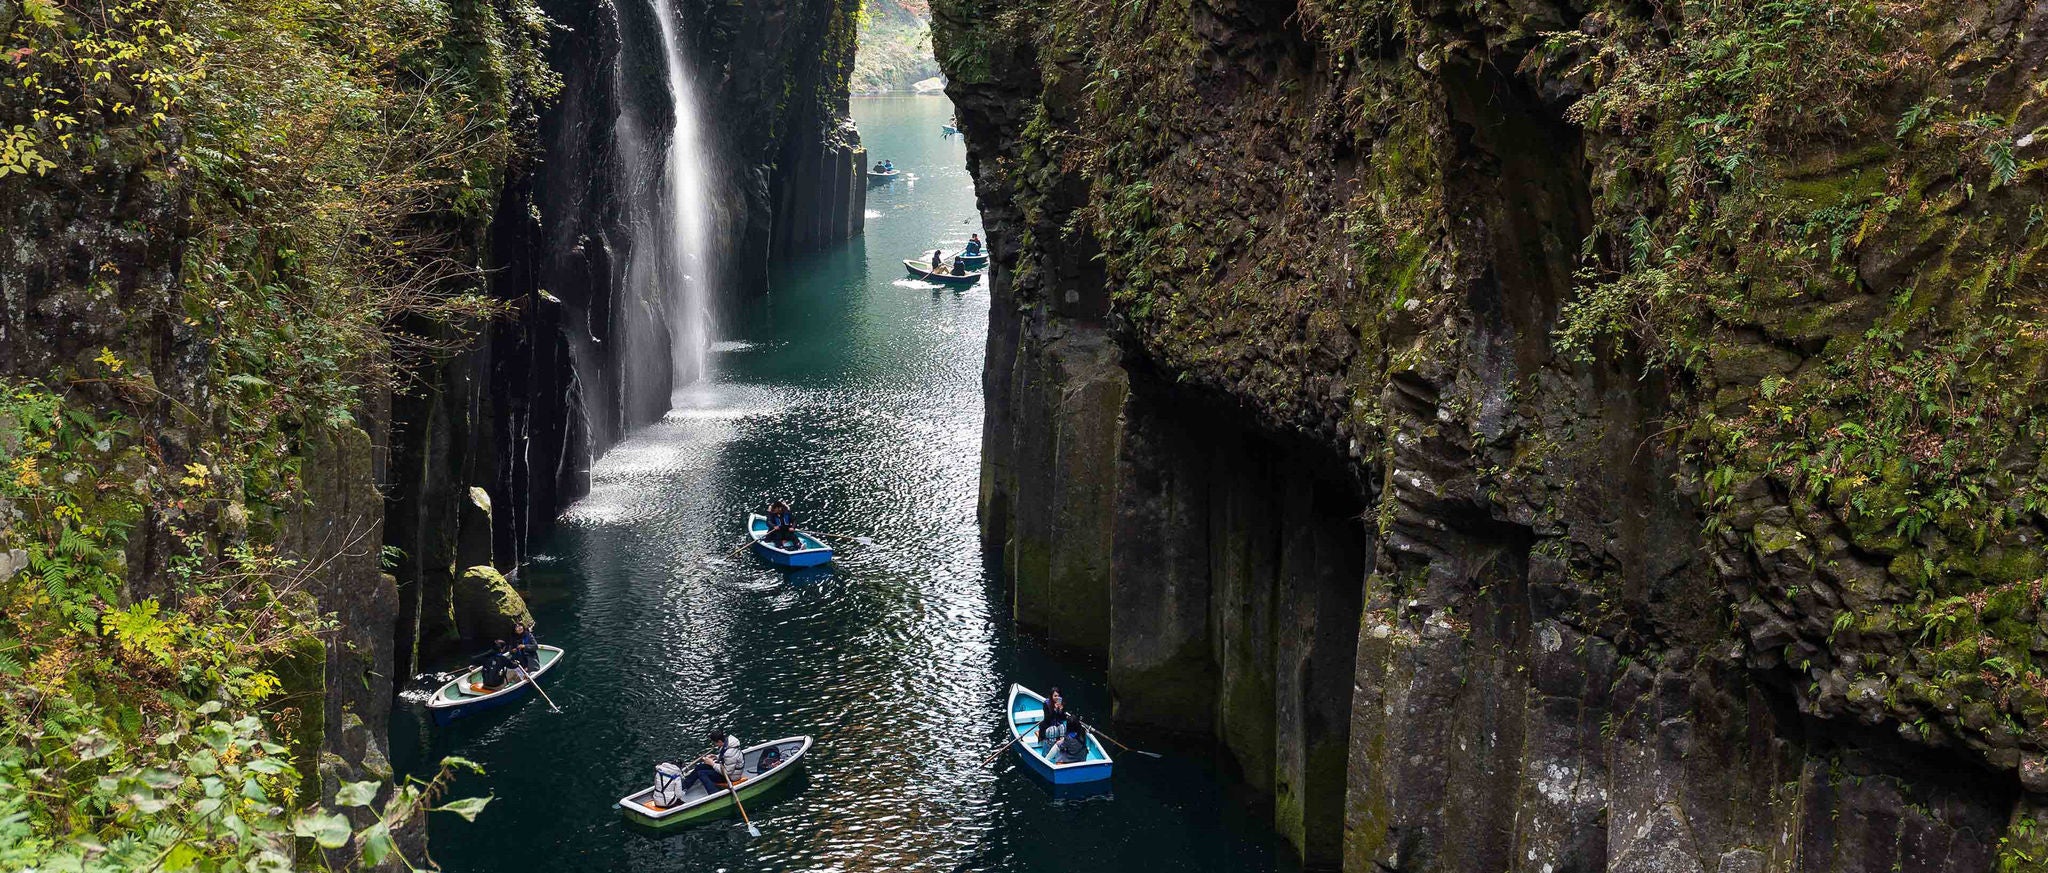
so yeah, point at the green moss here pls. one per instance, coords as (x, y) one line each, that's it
(300, 708)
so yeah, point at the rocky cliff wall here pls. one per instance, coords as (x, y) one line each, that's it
(231, 228)
(1512, 431)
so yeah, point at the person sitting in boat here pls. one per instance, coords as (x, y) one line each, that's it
(973, 245)
(1073, 745)
(938, 262)
(526, 651)
(781, 526)
(494, 668)
(1055, 717)
(888, 166)
(881, 166)
(724, 765)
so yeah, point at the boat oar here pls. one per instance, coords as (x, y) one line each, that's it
(751, 830)
(536, 686)
(1000, 749)
(743, 547)
(1126, 748)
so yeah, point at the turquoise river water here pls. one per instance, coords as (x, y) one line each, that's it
(857, 392)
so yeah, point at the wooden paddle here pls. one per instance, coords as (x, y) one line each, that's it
(536, 686)
(1099, 733)
(1013, 741)
(751, 830)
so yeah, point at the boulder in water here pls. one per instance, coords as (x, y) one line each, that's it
(487, 606)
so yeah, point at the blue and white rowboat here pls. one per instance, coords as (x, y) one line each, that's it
(810, 551)
(457, 698)
(1026, 710)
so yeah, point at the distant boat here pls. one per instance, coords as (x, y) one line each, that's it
(810, 551)
(698, 805)
(457, 699)
(1025, 711)
(948, 129)
(878, 177)
(923, 270)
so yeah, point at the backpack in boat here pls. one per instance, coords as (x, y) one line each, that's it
(494, 674)
(771, 757)
(668, 785)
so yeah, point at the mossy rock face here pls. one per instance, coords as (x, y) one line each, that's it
(1737, 318)
(487, 606)
(301, 708)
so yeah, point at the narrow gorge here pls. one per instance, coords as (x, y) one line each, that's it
(1552, 436)
(1535, 436)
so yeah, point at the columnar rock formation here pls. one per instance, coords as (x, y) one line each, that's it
(1508, 430)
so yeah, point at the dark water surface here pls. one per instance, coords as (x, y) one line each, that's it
(857, 393)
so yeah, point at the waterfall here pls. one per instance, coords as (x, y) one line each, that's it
(671, 267)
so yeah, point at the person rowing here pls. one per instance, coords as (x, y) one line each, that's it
(1073, 745)
(724, 765)
(525, 649)
(781, 526)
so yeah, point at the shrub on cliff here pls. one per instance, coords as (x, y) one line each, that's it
(231, 223)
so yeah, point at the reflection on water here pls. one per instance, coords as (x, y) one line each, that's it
(858, 399)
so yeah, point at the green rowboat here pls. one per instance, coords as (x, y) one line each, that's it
(697, 805)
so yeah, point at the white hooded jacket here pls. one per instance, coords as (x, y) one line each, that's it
(731, 761)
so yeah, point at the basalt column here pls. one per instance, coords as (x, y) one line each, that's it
(1238, 571)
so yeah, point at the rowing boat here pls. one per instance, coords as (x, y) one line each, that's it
(810, 551)
(462, 696)
(698, 805)
(883, 177)
(923, 270)
(1026, 710)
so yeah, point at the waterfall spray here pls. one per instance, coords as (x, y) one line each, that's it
(690, 215)
(671, 266)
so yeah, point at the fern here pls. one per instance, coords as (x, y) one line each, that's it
(1915, 116)
(2005, 169)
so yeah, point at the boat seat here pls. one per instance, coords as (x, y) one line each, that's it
(1027, 716)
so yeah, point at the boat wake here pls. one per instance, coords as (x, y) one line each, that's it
(421, 687)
